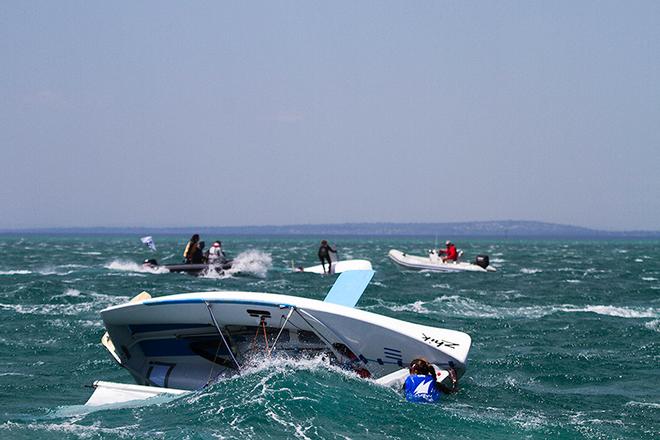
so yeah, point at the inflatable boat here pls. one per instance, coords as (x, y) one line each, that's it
(194, 269)
(433, 262)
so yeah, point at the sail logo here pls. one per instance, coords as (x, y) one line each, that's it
(439, 343)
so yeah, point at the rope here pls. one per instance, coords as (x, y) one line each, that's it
(263, 325)
(215, 357)
(231, 353)
(254, 340)
(281, 329)
(328, 343)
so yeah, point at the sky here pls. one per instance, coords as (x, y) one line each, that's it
(169, 113)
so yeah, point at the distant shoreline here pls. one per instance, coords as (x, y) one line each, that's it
(488, 229)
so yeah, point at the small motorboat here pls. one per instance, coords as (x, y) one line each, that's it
(194, 269)
(433, 262)
(179, 343)
(337, 267)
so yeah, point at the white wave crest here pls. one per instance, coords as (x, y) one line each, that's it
(130, 266)
(97, 302)
(69, 293)
(653, 325)
(644, 404)
(529, 420)
(460, 306)
(530, 271)
(417, 307)
(15, 272)
(621, 312)
(253, 261)
(48, 309)
(53, 271)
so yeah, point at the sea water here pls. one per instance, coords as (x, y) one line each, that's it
(565, 341)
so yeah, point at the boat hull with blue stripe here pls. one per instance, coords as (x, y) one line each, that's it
(187, 341)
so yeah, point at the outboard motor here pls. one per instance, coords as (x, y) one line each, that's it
(482, 261)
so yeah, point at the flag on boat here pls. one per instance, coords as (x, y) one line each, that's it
(149, 242)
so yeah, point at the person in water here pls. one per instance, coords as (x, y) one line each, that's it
(191, 247)
(451, 254)
(215, 253)
(421, 386)
(324, 255)
(198, 255)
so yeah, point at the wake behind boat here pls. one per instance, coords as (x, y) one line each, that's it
(434, 263)
(184, 342)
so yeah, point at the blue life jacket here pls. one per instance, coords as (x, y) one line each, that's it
(421, 389)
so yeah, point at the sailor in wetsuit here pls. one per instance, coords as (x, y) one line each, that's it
(422, 387)
(324, 255)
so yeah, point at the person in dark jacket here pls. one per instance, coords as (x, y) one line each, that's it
(324, 255)
(198, 256)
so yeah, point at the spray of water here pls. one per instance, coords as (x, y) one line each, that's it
(130, 266)
(253, 261)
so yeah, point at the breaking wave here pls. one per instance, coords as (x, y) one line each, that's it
(96, 301)
(530, 271)
(644, 404)
(653, 325)
(69, 293)
(460, 306)
(15, 272)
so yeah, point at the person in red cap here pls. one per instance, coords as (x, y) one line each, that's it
(451, 254)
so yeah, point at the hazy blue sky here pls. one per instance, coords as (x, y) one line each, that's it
(217, 113)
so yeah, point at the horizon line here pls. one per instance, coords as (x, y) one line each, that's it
(584, 229)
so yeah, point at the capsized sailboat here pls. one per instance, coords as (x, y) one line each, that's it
(178, 343)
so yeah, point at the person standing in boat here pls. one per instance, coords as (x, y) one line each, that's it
(191, 247)
(451, 254)
(421, 386)
(324, 255)
(215, 254)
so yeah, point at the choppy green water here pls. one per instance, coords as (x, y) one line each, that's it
(565, 343)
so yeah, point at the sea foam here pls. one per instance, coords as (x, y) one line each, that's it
(15, 272)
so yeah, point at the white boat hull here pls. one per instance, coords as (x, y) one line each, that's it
(173, 341)
(434, 263)
(338, 267)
